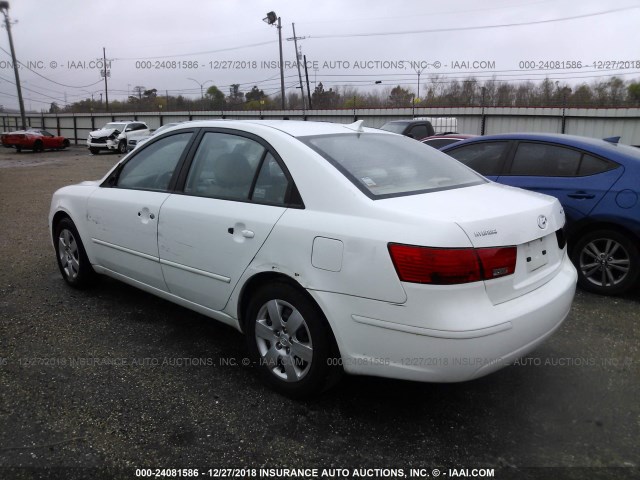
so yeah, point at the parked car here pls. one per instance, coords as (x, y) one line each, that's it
(115, 135)
(421, 127)
(439, 141)
(137, 141)
(34, 139)
(330, 246)
(595, 180)
(411, 128)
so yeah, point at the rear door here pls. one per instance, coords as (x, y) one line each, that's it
(579, 180)
(234, 192)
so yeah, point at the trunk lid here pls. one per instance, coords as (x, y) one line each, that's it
(493, 215)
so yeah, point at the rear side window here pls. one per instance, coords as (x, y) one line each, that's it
(383, 165)
(485, 158)
(545, 160)
(418, 132)
(591, 165)
(224, 166)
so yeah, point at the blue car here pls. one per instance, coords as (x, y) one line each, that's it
(597, 182)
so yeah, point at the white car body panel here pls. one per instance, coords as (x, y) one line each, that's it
(209, 279)
(187, 255)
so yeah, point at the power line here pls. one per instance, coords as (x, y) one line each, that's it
(479, 27)
(199, 53)
(52, 81)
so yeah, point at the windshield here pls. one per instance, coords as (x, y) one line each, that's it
(394, 127)
(117, 126)
(383, 165)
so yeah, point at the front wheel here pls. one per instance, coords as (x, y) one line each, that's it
(122, 146)
(72, 258)
(290, 341)
(38, 146)
(607, 262)
(94, 151)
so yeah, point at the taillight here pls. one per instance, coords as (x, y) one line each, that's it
(448, 266)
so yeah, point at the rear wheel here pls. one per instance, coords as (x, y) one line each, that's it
(290, 341)
(607, 262)
(72, 258)
(38, 146)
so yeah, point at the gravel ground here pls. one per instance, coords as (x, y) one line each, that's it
(142, 401)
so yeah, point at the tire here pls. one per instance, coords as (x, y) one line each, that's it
(608, 262)
(38, 146)
(122, 147)
(19, 149)
(94, 150)
(299, 362)
(72, 258)
(66, 143)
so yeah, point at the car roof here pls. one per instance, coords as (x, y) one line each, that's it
(594, 145)
(295, 128)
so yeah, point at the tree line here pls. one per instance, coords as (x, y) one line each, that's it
(437, 91)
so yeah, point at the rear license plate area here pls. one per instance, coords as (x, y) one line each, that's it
(536, 254)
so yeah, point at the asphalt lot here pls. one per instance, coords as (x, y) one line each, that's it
(104, 381)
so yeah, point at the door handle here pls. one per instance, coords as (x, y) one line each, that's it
(248, 234)
(145, 214)
(581, 195)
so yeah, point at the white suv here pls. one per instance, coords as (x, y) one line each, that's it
(115, 135)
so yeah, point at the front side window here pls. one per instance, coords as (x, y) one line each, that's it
(383, 165)
(485, 157)
(153, 167)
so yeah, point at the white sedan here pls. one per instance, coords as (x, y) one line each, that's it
(331, 247)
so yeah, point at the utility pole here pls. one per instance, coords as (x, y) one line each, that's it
(295, 44)
(4, 6)
(306, 74)
(106, 74)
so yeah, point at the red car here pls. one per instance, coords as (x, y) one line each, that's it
(36, 140)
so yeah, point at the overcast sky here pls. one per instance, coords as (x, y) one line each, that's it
(162, 44)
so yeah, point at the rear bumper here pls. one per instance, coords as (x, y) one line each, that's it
(426, 339)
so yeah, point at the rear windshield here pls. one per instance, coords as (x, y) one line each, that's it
(383, 165)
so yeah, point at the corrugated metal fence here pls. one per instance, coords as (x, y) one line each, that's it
(591, 122)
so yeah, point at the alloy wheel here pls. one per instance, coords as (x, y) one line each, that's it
(604, 262)
(68, 254)
(283, 340)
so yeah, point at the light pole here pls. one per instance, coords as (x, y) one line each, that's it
(201, 86)
(271, 19)
(419, 72)
(4, 7)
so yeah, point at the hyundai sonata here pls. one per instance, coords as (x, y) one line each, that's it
(331, 247)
